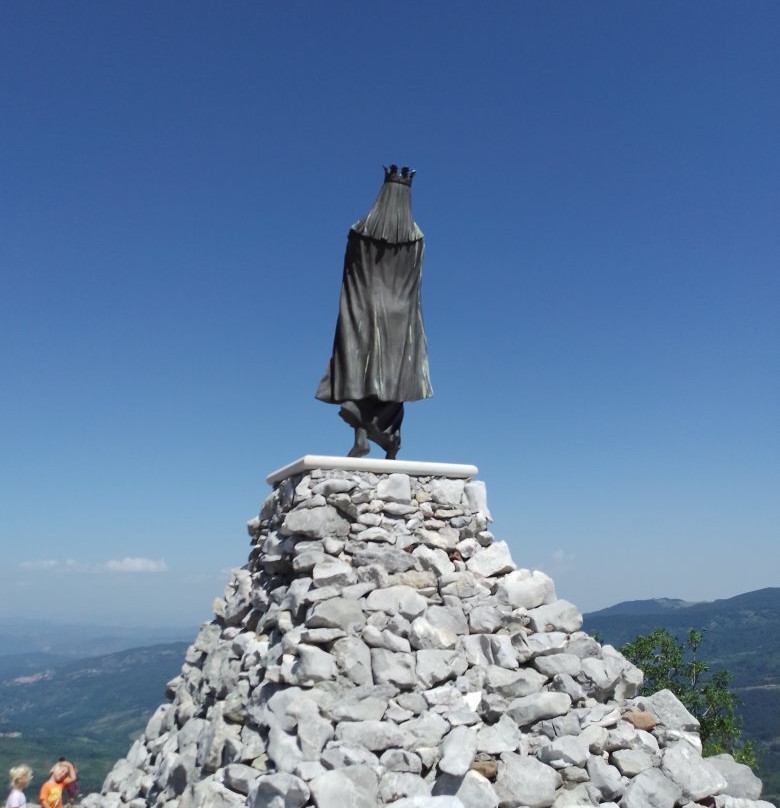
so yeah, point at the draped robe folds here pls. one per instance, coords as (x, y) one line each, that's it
(379, 349)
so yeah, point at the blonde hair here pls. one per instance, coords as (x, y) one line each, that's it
(20, 776)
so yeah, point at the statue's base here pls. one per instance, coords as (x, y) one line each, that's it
(415, 468)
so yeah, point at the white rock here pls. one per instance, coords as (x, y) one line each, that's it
(669, 709)
(524, 781)
(741, 782)
(332, 572)
(557, 616)
(439, 627)
(376, 736)
(397, 599)
(434, 666)
(390, 667)
(350, 787)
(353, 658)
(314, 665)
(493, 560)
(503, 736)
(563, 752)
(528, 709)
(651, 789)
(315, 523)
(476, 791)
(697, 777)
(476, 497)
(336, 613)
(632, 761)
(447, 491)
(395, 488)
(526, 588)
(458, 750)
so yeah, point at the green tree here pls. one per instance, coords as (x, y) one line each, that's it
(673, 665)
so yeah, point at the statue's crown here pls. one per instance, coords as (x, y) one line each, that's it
(405, 177)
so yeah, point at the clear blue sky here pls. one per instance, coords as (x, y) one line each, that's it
(599, 187)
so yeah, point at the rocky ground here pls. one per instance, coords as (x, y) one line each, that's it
(381, 648)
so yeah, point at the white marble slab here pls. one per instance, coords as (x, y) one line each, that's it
(415, 468)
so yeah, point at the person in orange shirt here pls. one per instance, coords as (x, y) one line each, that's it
(51, 791)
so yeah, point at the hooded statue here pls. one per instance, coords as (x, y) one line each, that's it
(380, 358)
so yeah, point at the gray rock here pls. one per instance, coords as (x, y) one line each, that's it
(447, 491)
(476, 791)
(433, 559)
(353, 658)
(528, 709)
(669, 709)
(315, 523)
(487, 619)
(651, 789)
(740, 780)
(389, 667)
(513, 683)
(239, 777)
(397, 599)
(376, 736)
(555, 664)
(503, 736)
(557, 616)
(458, 750)
(391, 559)
(332, 572)
(563, 752)
(605, 778)
(524, 781)
(493, 560)
(394, 488)
(698, 778)
(336, 613)
(439, 627)
(490, 649)
(630, 762)
(397, 785)
(350, 787)
(399, 760)
(340, 754)
(426, 731)
(434, 666)
(333, 486)
(314, 665)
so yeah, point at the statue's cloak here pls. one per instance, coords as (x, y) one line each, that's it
(379, 348)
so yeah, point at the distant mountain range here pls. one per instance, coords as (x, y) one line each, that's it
(87, 709)
(741, 635)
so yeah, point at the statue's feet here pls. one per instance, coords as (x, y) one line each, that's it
(391, 445)
(360, 447)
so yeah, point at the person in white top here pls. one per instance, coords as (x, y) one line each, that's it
(20, 777)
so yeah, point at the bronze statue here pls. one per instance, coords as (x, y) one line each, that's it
(380, 358)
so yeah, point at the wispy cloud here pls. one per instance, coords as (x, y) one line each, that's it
(128, 564)
(136, 565)
(65, 565)
(562, 557)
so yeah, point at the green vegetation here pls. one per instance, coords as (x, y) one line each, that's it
(88, 710)
(669, 664)
(742, 637)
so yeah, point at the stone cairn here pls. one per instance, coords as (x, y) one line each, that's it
(381, 648)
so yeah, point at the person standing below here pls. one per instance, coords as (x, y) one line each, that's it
(20, 777)
(50, 795)
(70, 785)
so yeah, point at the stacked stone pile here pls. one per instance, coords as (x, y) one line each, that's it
(381, 648)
